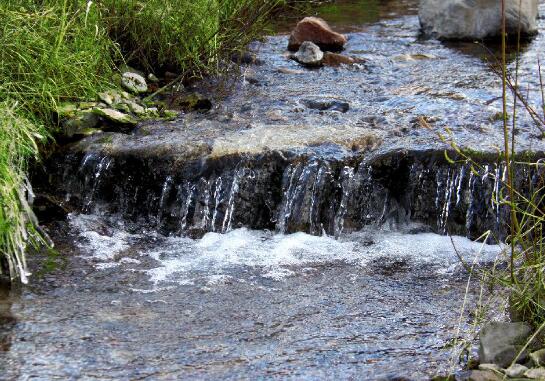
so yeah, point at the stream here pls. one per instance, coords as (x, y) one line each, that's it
(271, 239)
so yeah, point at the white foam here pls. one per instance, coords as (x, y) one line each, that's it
(224, 258)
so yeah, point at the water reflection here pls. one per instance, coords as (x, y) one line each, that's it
(346, 15)
(488, 51)
(7, 321)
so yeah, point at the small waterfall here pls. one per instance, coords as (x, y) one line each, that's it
(347, 176)
(311, 194)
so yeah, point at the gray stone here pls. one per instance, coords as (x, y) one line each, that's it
(135, 108)
(516, 370)
(535, 374)
(500, 342)
(114, 116)
(488, 366)
(134, 83)
(475, 19)
(538, 357)
(484, 375)
(309, 54)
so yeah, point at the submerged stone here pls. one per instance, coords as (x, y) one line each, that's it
(335, 59)
(328, 104)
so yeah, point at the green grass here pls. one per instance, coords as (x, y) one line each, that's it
(18, 137)
(56, 51)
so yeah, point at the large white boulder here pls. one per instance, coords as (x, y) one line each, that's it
(476, 19)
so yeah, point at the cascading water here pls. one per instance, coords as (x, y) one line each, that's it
(304, 194)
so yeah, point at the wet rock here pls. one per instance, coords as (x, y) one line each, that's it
(516, 370)
(80, 124)
(316, 30)
(133, 82)
(538, 357)
(535, 374)
(329, 104)
(469, 19)
(245, 58)
(335, 60)
(115, 116)
(309, 54)
(500, 342)
(414, 57)
(192, 102)
(484, 375)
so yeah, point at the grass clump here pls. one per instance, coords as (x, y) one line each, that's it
(183, 36)
(18, 225)
(52, 51)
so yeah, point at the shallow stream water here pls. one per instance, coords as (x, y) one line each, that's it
(126, 303)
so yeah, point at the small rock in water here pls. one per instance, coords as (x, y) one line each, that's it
(316, 30)
(335, 59)
(516, 370)
(470, 19)
(414, 57)
(309, 54)
(284, 70)
(535, 374)
(134, 83)
(114, 116)
(323, 105)
(500, 342)
(538, 357)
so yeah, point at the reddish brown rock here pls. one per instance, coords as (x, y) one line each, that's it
(316, 30)
(335, 60)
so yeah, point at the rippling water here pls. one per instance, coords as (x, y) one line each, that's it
(247, 304)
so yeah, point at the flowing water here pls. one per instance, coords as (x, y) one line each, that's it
(268, 239)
